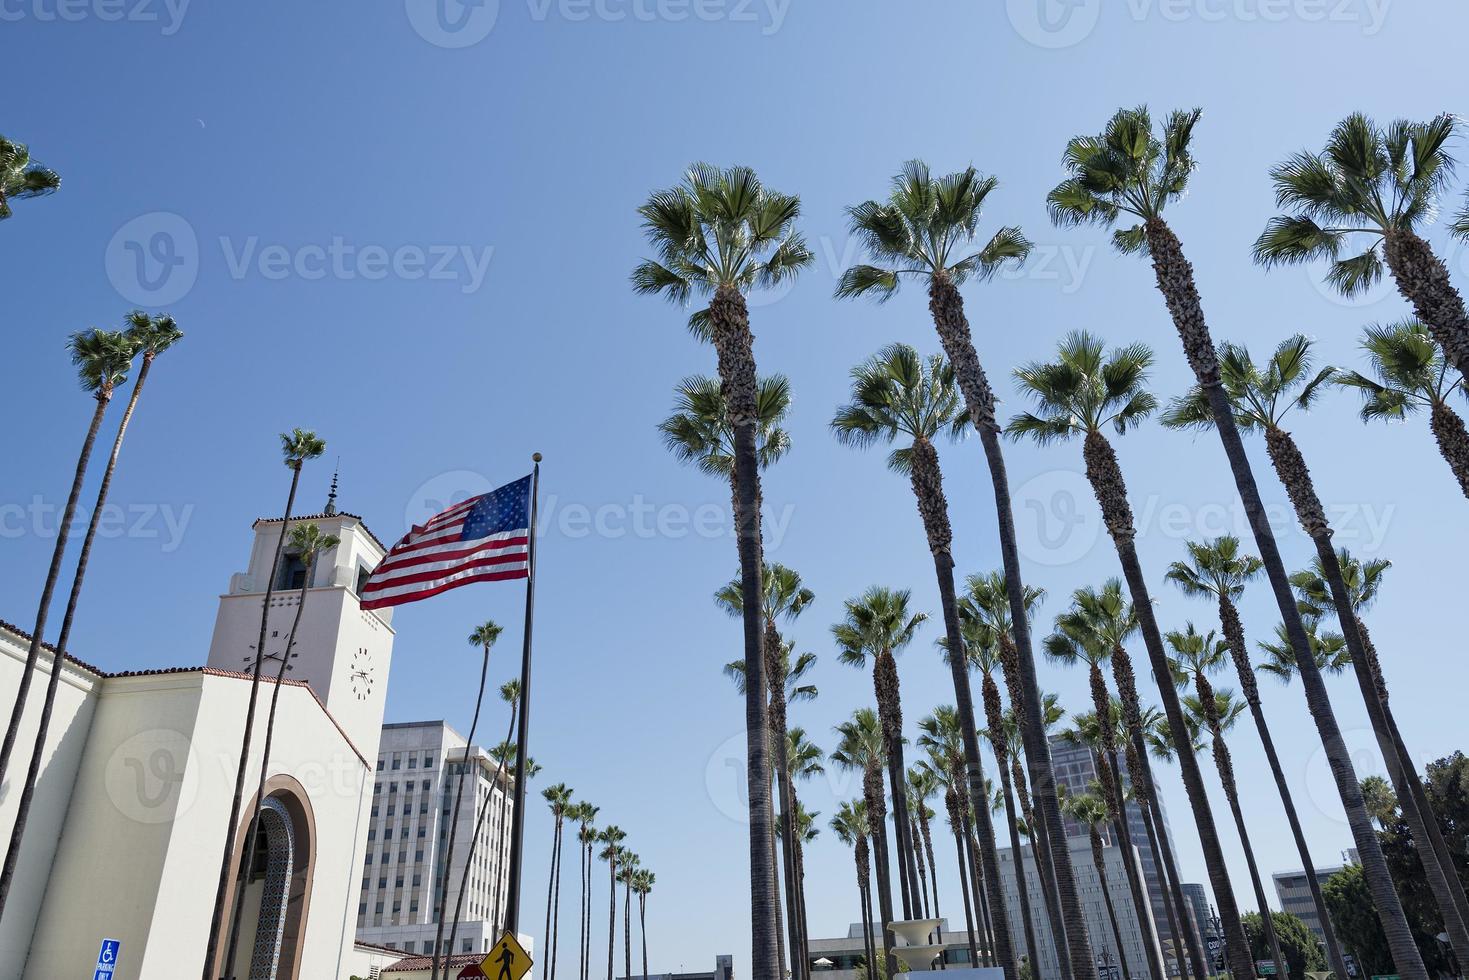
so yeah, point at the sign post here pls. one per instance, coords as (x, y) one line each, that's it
(107, 959)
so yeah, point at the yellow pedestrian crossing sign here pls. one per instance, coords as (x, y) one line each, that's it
(508, 960)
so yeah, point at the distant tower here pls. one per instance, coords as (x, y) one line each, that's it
(342, 651)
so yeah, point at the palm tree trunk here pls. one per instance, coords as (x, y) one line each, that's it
(778, 738)
(1131, 864)
(1424, 281)
(933, 508)
(58, 662)
(730, 326)
(211, 946)
(981, 899)
(956, 824)
(1231, 793)
(611, 914)
(1141, 771)
(551, 901)
(484, 811)
(643, 930)
(864, 896)
(1101, 864)
(248, 866)
(922, 866)
(586, 912)
(780, 916)
(877, 823)
(1021, 886)
(1105, 476)
(53, 574)
(454, 826)
(890, 714)
(926, 829)
(1040, 847)
(1290, 466)
(627, 924)
(1453, 442)
(556, 904)
(1234, 635)
(947, 308)
(1176, 283)
(1175, 923)
(801, 896)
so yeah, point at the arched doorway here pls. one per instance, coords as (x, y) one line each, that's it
(275, 893)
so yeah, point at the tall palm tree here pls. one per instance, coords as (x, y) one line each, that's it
(627, 870)
(804, 761)
(102, 359)
(1361, 582)
(21, 177)
(1218, 570)
(700, 434)
(1195, 657)
(878, 625)
(1328, 650)
(558, 798)
(898, 394)
(784, 598)
(1131, 170)
(297, 446)
(1082, 393)
(642, 885)
(1097, 624)
(483, 637)
(1093, 812)
(1381, 183)
(149, 336)
(1262, 396)
(721, 233)
(851, 827)
(505, 754)
(611, 839)
(927, 228)
(586, 836)
(307, 544)
(945, 748)
(862, 748)
(1410, 373)
(923, 784)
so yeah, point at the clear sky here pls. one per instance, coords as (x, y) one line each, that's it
(421, 251)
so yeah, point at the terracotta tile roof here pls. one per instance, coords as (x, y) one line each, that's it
(323, 517)
(456, 962)
(26, 639)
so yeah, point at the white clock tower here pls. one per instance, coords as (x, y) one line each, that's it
(341, 650)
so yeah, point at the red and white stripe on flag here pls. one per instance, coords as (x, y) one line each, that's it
(437, 556)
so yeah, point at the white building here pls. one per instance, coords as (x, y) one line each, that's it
(1135, 925)
(412, 804)
(127, 833)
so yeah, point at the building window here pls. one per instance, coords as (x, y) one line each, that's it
(382, 882)
(293, 571)
(379, 765)
(417, 880)
(413, 762)
(467, 946)
(397, 763)
(369, 859)
(399, 882)
(362, 576)
(378, 909)
(428, 763)
(422, 831)
(362, 908)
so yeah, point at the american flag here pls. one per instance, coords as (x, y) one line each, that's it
(482, 539)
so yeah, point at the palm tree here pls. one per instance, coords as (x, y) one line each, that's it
(1082, 393)
(102, 358)
(784, 598)
(484, 637)
(1093, 812)
(586, 837)
(307, 544)
(1328, 650)
(927, 228)
(642, 884)
(862, 748)
(558, 798)
(1218, 570)
(505, 754)
(803, 762)
(1131, 170)
(1381, 183)
(1361, 582)
(721, 233)
(1410, 373)
(611, 839)
(297, 446)
(942, 737)
(896, 393)
(21, 177)
(699, 432)
(1097, 624)
(1195, 657)
(1262, 396)
(878, 625)
(627, 870)
(149, 336)
(922, 784)
(851, 827)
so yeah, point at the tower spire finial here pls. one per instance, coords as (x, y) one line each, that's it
(331, 498)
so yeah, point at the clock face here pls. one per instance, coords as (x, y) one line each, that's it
(362, 674)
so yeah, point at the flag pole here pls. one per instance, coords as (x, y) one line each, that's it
(522, 737)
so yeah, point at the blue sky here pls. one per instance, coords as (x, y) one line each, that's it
(422, 250)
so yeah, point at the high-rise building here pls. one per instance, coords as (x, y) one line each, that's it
(1295, 895)
(419, 768)
(1135, 925)
(1076, 769)
(1204, 920)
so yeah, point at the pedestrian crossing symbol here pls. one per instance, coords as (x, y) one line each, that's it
(508, 960)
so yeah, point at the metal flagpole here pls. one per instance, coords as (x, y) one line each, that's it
(522, 737)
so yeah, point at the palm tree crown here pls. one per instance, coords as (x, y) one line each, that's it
(700, 432)
(1126, 170)
(102, 359)
(1329, 649)
(1408, 368)
(21, 177)
(299, 445)
(152, 335)
(1085, 390)
(1367, 180)
(876, 622)
(926, 228)
(1215, 569)
(897, 393)
(1262, 395)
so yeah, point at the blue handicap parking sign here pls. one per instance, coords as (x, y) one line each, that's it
(107, 959)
